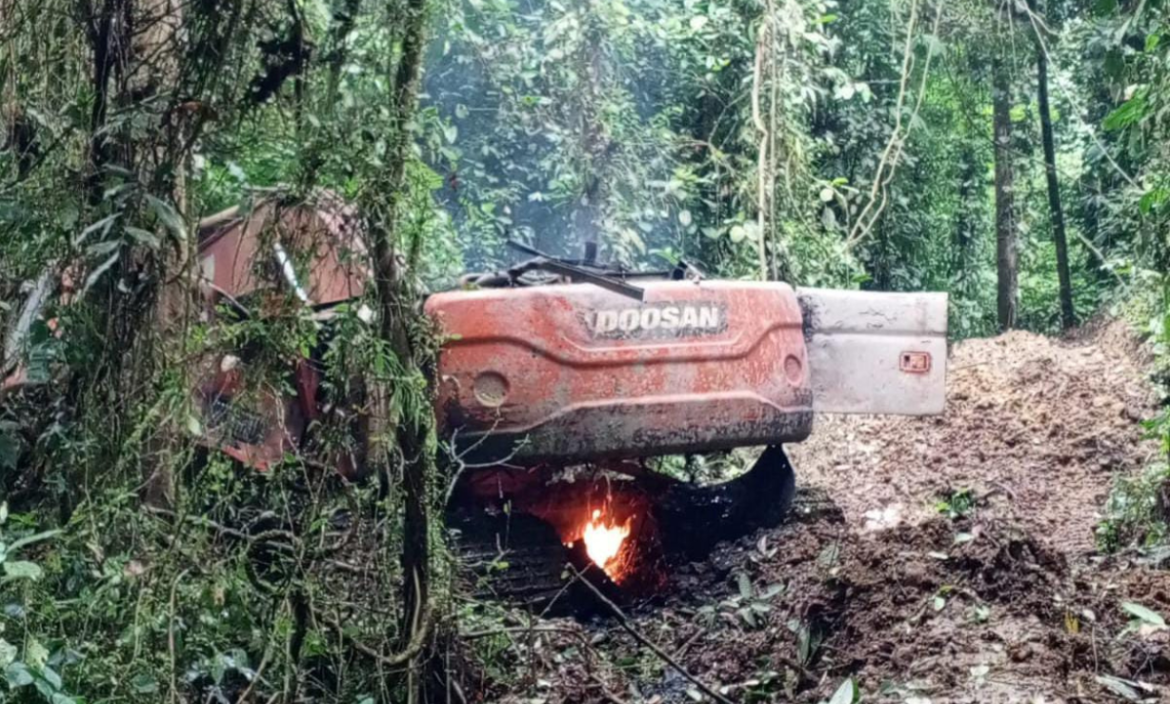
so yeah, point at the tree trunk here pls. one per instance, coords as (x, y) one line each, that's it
(1067, 314)
(399, 316)
(152, 73)
(965, 217)
(1007, 256)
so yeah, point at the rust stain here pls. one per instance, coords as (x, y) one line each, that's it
(914, 362)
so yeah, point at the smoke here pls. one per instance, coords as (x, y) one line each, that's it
(553, 132)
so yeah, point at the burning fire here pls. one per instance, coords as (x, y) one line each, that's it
(603, 542)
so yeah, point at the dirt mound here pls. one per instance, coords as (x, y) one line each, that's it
(968, 609)
(1035, 425)
(906, 608)
(937, 560)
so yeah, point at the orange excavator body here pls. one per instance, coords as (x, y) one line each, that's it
(574, 372)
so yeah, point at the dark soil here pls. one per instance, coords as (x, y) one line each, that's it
(1001, 598)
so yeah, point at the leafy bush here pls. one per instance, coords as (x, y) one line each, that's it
(1138, 509)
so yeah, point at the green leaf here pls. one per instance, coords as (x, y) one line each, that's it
(30, 539)
(1152, 199)
(96, 274)
(1144, 614)
(771, 590)
(7, 653)
(143, 237)
(17, 675)
(168, 216)
(22, 569)
(846, 694)
(37, 655)
(1130, 112)
(748, 617)
(144, 683)
(744, 584)
(102, 225)
(103, 248)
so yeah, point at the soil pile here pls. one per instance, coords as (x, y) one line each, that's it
(969, 609)
(945, 559)
(1037, 425)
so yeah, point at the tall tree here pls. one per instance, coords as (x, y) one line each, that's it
(400, 326)
(1007, 255)
(1067, 314)
(966, 213)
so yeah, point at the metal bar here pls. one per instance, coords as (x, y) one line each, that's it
(575, 273)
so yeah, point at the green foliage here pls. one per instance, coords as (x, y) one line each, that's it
(622, 122)
(626, 121)
(31, 667)
(243, 581)
(1137, 509)
(748, 608)
(958, 504)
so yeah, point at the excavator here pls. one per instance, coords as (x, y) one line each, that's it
(552, 366)
(569, 394)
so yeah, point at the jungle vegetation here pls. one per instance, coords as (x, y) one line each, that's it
(1014, 154)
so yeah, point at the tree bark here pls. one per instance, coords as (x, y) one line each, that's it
(1067, 314)
(1007, 255)
(398, 315)
(965, 222)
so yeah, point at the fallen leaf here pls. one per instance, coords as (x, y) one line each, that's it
(846, 693)
(1119, 687)
(1146, 615)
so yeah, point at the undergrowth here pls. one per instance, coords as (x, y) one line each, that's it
(244, 585)
(1137, 512)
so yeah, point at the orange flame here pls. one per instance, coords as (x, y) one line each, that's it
(603, 543)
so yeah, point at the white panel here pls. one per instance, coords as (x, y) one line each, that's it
(876, 352)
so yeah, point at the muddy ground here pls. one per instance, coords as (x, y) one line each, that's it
(948, 559)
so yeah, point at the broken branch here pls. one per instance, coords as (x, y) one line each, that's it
(654, 648)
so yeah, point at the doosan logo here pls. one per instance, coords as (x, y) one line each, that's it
(659, 320)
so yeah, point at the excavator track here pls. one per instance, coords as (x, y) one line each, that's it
(521, 559)
(515, 557)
